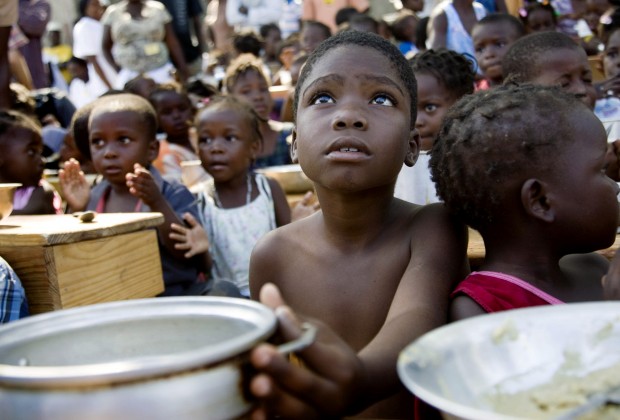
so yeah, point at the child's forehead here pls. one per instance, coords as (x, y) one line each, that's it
(560, 59)
(493, 29)
(20, 134)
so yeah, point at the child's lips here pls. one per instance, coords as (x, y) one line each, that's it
(348, 150)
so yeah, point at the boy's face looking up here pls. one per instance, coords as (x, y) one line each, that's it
(354, 121)
(568, 69)
(491, 41)
(118, 140)
(611, 56)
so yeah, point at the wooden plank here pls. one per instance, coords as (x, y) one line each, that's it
(102, 270)
(59, 229)
(36, 269)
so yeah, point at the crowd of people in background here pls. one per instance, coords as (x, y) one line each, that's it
(413, 119)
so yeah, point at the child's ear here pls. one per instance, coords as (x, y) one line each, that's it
(255, 147)
(294, 156)
(413, 148)
(535, 200)
(153, 150)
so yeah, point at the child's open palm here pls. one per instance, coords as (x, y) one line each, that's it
(75, 188)
(192, 239)
(142, 185)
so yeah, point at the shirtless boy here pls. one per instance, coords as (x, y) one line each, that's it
(374, 271)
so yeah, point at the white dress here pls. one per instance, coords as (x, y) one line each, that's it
(233, 232)
(414, 183)
(87, 40)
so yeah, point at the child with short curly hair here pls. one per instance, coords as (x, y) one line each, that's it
(525, 166)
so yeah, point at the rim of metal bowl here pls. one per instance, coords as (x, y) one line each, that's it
(107, 373)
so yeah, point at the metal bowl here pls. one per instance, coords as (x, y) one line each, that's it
(7, 191)
(457, 367)
(290, 177)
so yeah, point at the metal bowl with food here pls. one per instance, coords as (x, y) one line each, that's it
(290, 177)
(529, 358)
(7, 192)
(160, 358)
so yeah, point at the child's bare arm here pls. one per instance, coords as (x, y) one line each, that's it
(75, 187)
(438, 29)
(464, 307)
(142, 185)
(282, 209)
(438, 261)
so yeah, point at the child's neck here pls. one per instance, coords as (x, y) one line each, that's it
(120, 200)
(356, 218)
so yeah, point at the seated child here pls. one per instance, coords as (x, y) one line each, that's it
(122, 146)
(551, 59)
(404, 30)
(174, 114)
(538, 17)
(607, 107)
(443, 77)
(374, 271)
(492, 36)
(525, 166)
(246, 80)
(21, 161)
(237, 207)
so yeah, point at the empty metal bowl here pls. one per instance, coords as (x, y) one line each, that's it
(290, 177)
(460, 367)
(7, 191)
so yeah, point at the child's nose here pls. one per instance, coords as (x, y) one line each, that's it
(349, 117)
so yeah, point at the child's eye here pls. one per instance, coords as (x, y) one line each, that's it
(322, 98)
(430, 108)
(384, 100)
(232, 138)
(204, 140)
(124, 140)
(97, 142)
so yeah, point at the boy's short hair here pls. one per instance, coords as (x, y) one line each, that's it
(530, 7)
(400, 24)
(265, 29)
(10, 119)
(128, 102)
(368, 40)
(494, 136)
(454, 70)
(522, 60)
(503, 18)
(242, 65)
(319, 25)
(166, 88)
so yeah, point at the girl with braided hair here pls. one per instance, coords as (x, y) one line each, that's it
(443, 77)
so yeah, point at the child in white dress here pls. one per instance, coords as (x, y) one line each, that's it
(237, 206)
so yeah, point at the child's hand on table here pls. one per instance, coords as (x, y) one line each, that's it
(323, 388)
(75, 188)
(194, 239)
(142, 185)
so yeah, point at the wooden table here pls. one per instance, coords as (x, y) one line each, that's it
(476, 251)
(63, 262)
